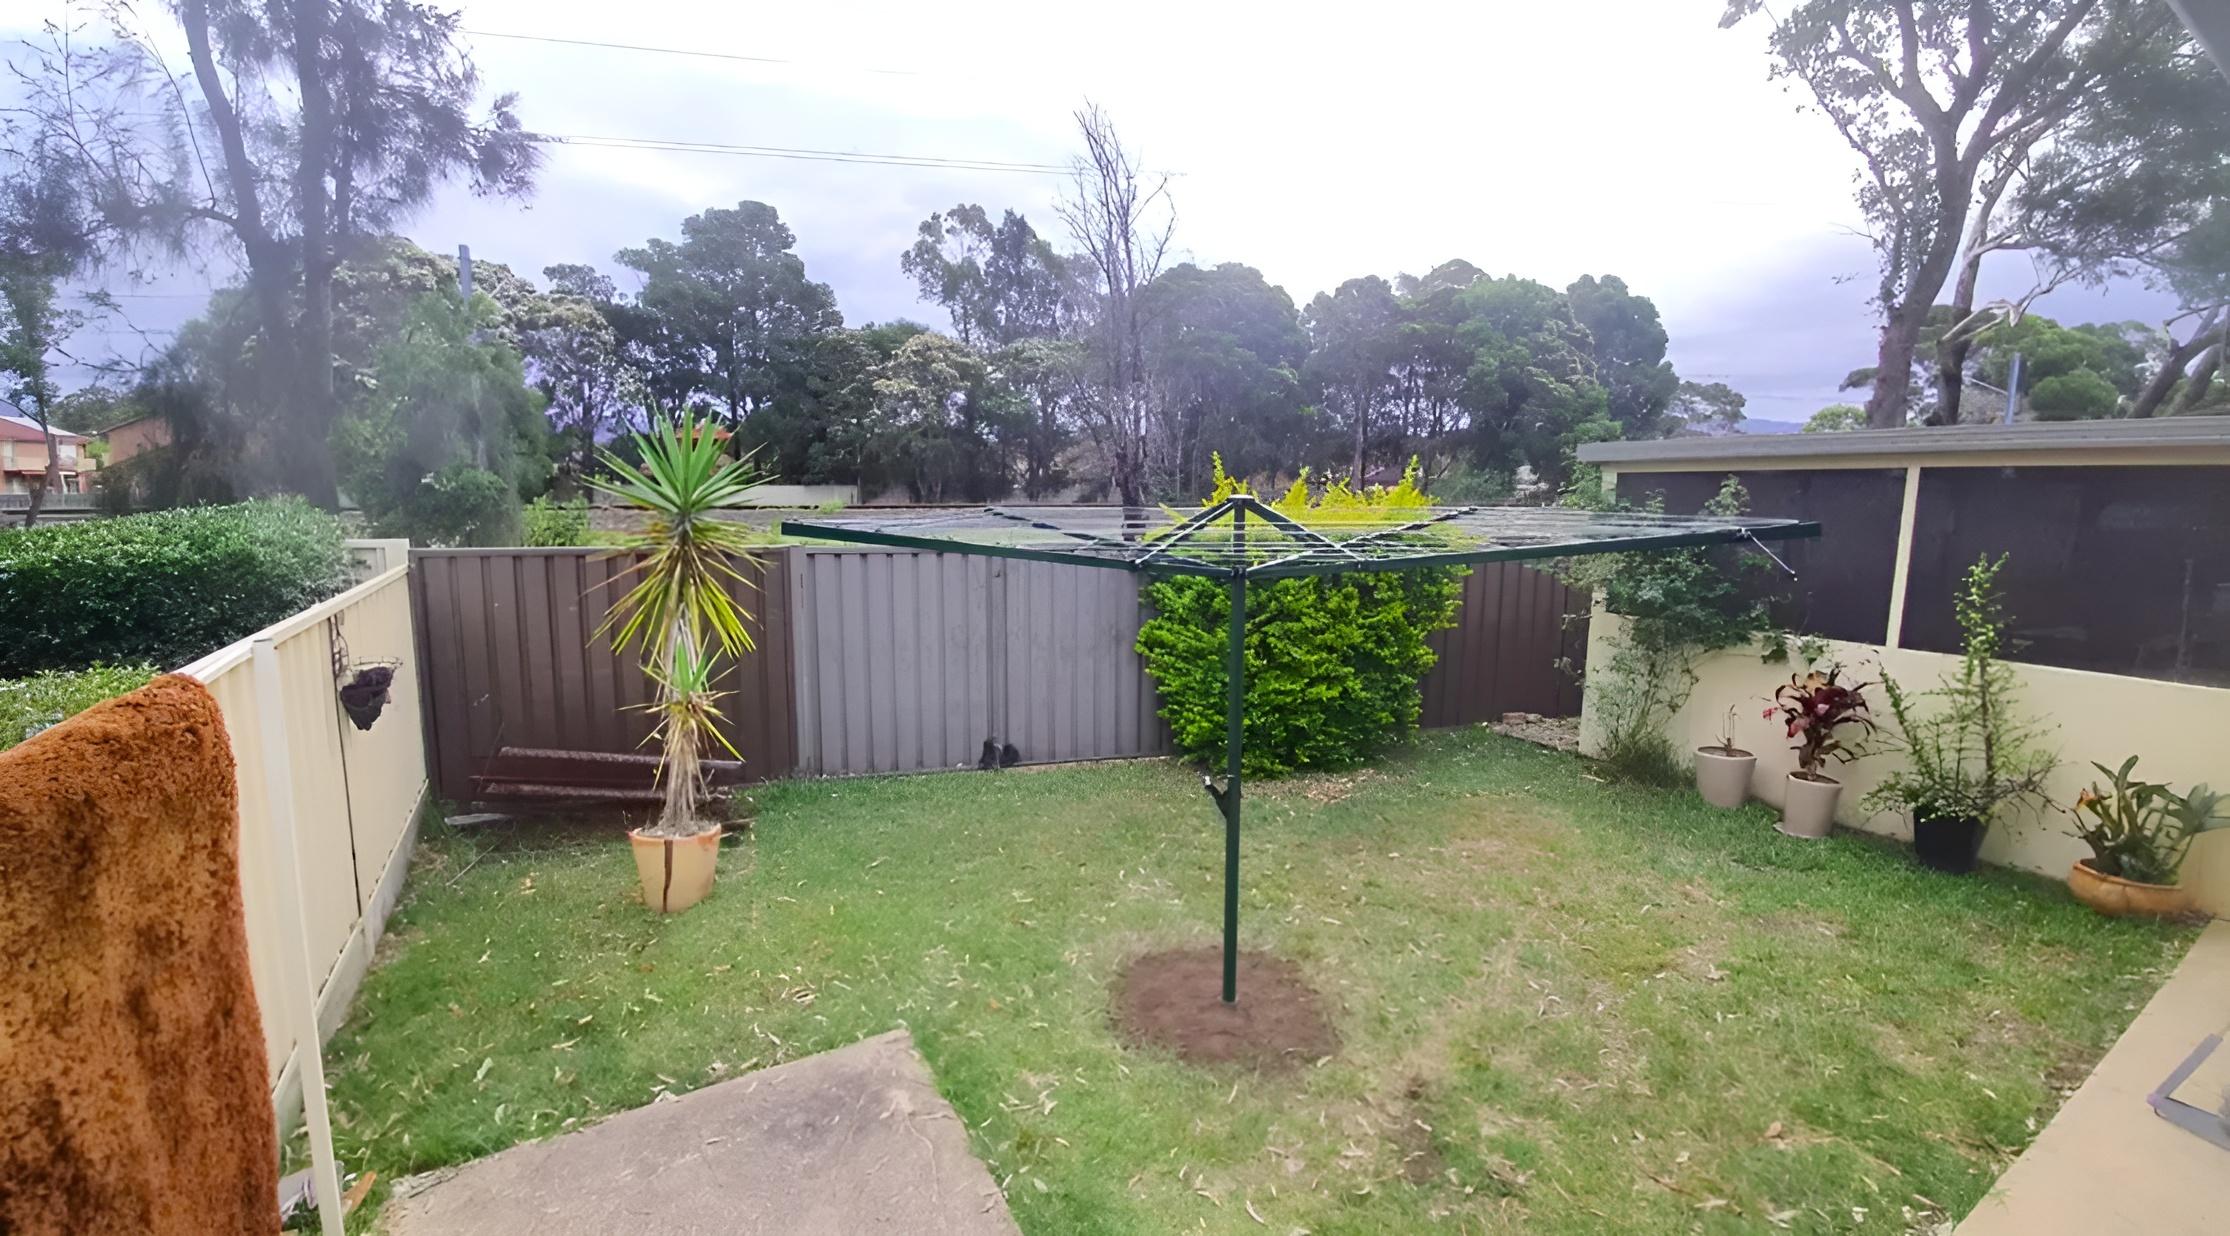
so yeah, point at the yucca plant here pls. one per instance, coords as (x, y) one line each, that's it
(677, 612)
(689, 717)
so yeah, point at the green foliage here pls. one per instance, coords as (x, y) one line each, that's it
(161, 588)
(1967, 751)
(1708, 408)
(1332, 662)
(2077, 396)
(732, 317)
(1679, 604)
(28, 705)
(553, 523)
(2140, 830)
(454, 435)
(1836, 418)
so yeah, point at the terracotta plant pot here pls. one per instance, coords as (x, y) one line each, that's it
(1950, 843)
(676, 871)
(2116, 897)
(1808, 807)
(1723, 775)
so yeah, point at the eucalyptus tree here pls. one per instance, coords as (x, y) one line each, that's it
(293, 127)
(732, 316)
(1943, 101)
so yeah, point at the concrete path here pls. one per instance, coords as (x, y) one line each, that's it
(2108, 1164)
(849, 1141)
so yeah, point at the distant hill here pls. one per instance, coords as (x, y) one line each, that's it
(1752, 424)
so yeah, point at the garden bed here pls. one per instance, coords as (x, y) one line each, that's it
(1559, 1004)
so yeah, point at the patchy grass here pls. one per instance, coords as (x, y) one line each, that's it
(1566, 1006)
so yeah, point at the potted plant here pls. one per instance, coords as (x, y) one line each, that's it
(2138, 832)
(679, 615)
(1815, 708)
(1968, 751)
(1723, 769)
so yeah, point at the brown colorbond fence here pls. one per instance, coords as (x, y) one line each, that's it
(888, 660)
(1502, 655)
(508, 641)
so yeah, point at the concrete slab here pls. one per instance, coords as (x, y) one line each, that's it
(2108, 1164)
(849, 1141)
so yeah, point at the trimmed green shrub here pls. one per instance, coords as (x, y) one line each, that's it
(161, 588)
(28, 705)
(1333, 663)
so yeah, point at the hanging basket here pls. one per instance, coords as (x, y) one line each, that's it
(364, 694)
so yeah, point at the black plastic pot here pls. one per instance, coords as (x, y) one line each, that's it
(365, 695)
(1948, 842)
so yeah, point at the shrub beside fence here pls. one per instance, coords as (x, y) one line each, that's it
(161, 587)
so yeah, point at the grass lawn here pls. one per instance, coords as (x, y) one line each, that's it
(1565, 1006)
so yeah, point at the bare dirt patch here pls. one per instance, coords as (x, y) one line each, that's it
(1555, 733)
(1174, 1000)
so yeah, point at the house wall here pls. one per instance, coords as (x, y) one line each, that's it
(356, 796)
(2177, 729)
(134, 437)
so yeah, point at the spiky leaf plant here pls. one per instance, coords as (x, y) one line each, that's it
(678, 611)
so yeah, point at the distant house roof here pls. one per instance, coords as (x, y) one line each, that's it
(14, 428)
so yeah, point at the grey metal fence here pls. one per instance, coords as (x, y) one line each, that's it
(909, 660)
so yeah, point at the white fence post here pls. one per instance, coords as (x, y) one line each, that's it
(294, 934)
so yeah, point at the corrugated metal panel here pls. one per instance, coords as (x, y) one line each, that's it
(1501, 656)
(910, 660)
(509, 640)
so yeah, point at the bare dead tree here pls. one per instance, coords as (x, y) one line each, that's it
(1122, 219)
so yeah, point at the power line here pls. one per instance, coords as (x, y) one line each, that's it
(685, 51)
(938, 162)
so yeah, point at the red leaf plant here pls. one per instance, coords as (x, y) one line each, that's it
(1814, 707)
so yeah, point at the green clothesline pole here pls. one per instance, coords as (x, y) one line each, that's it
(1235, 708)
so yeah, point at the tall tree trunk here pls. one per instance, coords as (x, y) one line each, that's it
(53, 478)
(1362, 407)
(1893, 367)
(2163, 382)
(2196, 386)
(1952, 350)
(315, 418)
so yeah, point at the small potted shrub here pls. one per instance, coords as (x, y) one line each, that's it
(1968, 750)
(2138, 832)
(1817, 709)
(1723, 769)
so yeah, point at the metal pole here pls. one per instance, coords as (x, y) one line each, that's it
(1235, 706)
(2013, 389)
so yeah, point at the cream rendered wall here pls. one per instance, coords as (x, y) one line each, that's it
(2180, 732)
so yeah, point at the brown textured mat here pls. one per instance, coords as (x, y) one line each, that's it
(133, 1095)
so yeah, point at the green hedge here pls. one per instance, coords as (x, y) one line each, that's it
(161, 588)
(1333, 664)
(28, 705)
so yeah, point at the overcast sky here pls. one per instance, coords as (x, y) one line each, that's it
(1628, 137)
